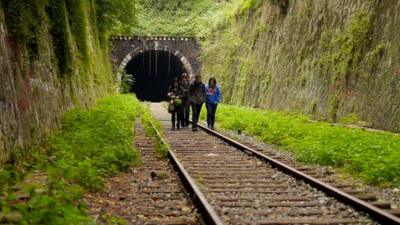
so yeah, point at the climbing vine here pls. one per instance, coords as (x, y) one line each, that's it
(61, 36)
(62, 45)
(24, 20)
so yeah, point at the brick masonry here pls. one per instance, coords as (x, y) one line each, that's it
(124, 48)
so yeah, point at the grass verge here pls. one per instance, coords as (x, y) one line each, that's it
(91, 145)
(153, 128)
(371, 156)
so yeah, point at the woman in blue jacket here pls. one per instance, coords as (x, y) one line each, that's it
(213, 92)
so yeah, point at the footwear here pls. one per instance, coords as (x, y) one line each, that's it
(194, 129)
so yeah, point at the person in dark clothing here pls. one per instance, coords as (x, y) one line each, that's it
(175, 94)
(213, 98)
(185, 84)
(197, 96)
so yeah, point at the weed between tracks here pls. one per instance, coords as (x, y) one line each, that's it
(91, 145)
(372, 156)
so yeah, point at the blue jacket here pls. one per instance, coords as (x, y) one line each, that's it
(213, 96)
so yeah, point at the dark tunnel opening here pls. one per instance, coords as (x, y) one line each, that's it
(153, 72)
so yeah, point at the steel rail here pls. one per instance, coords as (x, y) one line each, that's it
(207, 211)
(377, 214)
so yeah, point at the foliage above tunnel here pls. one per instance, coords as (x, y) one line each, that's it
(179, 17)
(116, 16)
(174, 17)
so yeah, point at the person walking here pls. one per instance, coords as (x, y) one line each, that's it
(213, 92)
(197, 96)
(185, 84)
(175, 94)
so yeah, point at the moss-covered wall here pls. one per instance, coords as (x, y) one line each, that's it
(326, 58)
(50, 60)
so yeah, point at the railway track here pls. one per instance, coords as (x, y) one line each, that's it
(326, 175)
(248, 187)
(152, 195)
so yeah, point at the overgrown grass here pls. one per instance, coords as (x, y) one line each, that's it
(153, 128)
(372, 156)
(95, 143)
(91, 145)
(176, 17)
(200, 17)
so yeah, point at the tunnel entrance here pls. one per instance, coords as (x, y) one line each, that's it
(153, 71)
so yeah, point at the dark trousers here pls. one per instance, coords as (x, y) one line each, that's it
(176, 117)
(211, 110)
(185, 114)
(196, 109)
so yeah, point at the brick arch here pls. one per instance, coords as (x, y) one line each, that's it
(156, 47)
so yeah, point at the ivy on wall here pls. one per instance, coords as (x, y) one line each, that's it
(61, 36)
(59, 50)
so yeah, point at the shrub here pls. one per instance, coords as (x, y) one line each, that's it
(127, 80)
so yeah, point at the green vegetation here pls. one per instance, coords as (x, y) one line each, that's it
(71, 36)
(249, 4)
(25, 25)
(116, 16)
(63, 45)
(77, 34)
(154, 129)
(61, 36)
(91, 145)
(352, 118)
(97, 142)
(177, 17)
(375, 55)
(372, 156)
(344, 55)
(230, 50)
(173, 17)
(266, 58)
(127, 81)
(346, 49)
(80, 28)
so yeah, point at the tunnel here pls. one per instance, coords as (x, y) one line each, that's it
(153, 71)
